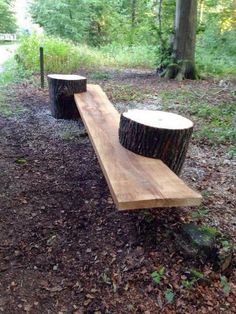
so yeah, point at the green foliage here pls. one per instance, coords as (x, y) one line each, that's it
(215, 52)
(213, 121)
(194, 277)
(157, 275)
(220, 126)
(21, 161)
(7, 110)
(13, 72)
(60, 56)
(225, 284)
(100, 75)
(104, 278)
(96, 22)
(7, 18)
(64, 57)
(141, 56)
(216, 44)
(169, 295)
(68, 135)
(147, 25)
(200, 213)
(232, 151)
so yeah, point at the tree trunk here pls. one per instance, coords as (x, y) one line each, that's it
(61, 94)
(133, 13)
(156, 134)
(185, 30)
(183, 65)
(133, 20)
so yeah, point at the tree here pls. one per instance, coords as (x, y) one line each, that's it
(82, 21)
(96, 22)
(7, 18)
(182, 50)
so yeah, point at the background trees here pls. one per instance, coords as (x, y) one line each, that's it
(148, 23)
(7, 18)
(131, 22)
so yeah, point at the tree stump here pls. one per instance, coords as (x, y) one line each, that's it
(156, 134)
(61, 94)
(203, 244)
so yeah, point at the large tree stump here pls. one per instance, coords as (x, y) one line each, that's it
(61, 94)
(156, 134)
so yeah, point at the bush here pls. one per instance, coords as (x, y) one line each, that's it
(215, 53)
(63, 56)
(59, 55)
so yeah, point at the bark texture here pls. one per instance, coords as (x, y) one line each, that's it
(185, 30)
(183, 44)
(61, 94)
(169, 145)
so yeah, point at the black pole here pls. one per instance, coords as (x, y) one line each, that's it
(41, 66)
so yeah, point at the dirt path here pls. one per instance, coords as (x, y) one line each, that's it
(66, 249)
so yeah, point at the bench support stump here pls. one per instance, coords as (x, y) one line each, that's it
(157, 134)
(61, 94)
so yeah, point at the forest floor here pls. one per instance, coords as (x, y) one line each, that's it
(64, 246)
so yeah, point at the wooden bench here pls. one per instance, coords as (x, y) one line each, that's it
(134, 181)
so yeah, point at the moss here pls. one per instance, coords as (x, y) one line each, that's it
(184, 69)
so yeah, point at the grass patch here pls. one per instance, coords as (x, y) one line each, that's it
(214, 63)
(215, 52)
(13, 73)
(100, 75)
(65, 57)
(69, 135)
(219, 122)
(125, 93)
(7, 110)
(214, 121)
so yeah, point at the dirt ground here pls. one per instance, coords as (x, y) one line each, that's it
(64, 246)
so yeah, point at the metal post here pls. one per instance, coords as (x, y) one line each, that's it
(41, 66)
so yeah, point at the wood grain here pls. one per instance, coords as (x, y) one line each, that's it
(134, 181)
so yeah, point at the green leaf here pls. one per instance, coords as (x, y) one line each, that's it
(161, 270)
(200, 213)
(186, 283)
(21, 161)
(169, 295)
(196, 274)
(156, 275)
(225, 284)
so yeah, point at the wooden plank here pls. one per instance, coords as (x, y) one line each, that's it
(134, 181)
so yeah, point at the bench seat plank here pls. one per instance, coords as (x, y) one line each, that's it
(134, 181)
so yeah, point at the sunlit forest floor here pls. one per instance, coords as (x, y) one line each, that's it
(64, 246)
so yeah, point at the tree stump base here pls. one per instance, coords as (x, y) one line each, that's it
(62, 88)
(181, 71)
(156, 134)
(204, 244)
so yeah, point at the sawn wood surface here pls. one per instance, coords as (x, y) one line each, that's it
(134, 181)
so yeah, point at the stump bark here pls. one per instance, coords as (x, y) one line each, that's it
(61, 94)
(156, 134)
(203, 244)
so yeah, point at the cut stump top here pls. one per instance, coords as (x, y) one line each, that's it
(66, 77)
(159, 119)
